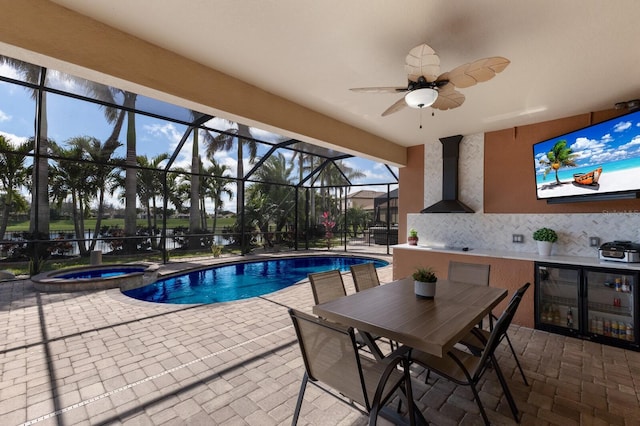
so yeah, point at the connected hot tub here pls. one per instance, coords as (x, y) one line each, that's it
(99, 277)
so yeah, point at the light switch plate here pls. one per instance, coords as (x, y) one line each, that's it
(517, 238)
(594, 242)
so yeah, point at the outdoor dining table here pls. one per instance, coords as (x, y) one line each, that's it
(394, 311)
(431, 325)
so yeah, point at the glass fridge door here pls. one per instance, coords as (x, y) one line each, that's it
(558, 293)
(610, 304)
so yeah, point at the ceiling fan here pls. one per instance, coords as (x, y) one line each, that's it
(428, 89)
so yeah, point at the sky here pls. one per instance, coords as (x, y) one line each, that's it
(68, 117)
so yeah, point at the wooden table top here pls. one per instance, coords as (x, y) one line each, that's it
(432, 325)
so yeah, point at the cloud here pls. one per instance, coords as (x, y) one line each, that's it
(14, 140)
(622, 126)
(4, 116)
(584, 144)
(633, 144)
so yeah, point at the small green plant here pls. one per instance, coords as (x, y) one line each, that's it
(545, 234)
(216, 250)
(425, 275)
(413, 233)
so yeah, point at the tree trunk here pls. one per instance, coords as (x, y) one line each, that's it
(40, 196)
(194, 209)
(100, 213)
(5, 214)
(152, 231)
(109, 146)
(130, 187)
(82, 244)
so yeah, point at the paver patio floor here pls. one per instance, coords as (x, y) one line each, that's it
(103, 358)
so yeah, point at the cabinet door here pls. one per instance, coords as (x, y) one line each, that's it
(610, 304)
(558, 297)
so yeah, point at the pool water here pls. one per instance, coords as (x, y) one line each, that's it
(242, 280)
(99, 273)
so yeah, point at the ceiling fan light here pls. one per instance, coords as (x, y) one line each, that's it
(421, 98)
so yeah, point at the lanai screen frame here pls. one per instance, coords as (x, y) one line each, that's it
(308, 181)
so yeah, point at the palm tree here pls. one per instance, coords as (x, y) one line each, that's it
(273, 194)
(150, 186)
(559, 156)
(40, 195)
(215, 185)
(104, 174)
(70, 179)
(224, 142)
(13, 175)
(178, 188)
(194, 195)
(116, 117)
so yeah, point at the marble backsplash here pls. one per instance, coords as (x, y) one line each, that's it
(494, 231)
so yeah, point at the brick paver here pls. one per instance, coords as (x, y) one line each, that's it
(103, 358)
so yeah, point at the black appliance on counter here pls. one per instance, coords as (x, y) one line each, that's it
(620, 251)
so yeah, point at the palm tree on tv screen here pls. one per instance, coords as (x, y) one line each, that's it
(559, 156)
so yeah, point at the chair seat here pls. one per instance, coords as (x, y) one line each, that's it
(372, 370)
(446, 365)
(474, 342)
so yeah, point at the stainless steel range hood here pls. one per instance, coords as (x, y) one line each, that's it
(449, 202)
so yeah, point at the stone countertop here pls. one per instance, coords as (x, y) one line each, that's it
(533, 257)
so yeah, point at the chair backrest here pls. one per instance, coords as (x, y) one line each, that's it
(520, 292)
(364, 276)
(327, 286)
(500, 329)
(472, 273)
(330, 355)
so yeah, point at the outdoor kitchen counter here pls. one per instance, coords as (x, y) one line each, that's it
(509, 269)
(532, 257)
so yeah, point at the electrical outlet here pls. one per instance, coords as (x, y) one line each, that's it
(594, 242)
(517, 238)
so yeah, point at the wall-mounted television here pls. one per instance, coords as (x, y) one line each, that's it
(598, 162)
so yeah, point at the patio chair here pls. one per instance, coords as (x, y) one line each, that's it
(477, 340)
(472, 273)
(327, 286)
(331, 357)
(364, 276)
(464, 368)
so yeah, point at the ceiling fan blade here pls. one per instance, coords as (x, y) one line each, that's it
(422, 61)
(448, 98)
(397, 106)
(379, 89)
(476, 72)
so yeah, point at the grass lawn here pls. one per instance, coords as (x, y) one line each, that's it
(66, 225)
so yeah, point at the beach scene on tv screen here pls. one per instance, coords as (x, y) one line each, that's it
(600, 159)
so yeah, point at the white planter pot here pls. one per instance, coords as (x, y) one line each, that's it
(424, 289)
(544, 248)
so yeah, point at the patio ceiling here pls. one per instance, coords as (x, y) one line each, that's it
(567, 58)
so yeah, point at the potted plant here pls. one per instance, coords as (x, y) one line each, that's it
(545, 237)
(412, 239)
(425, 282)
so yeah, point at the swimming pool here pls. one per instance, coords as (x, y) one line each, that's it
(241, 280)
